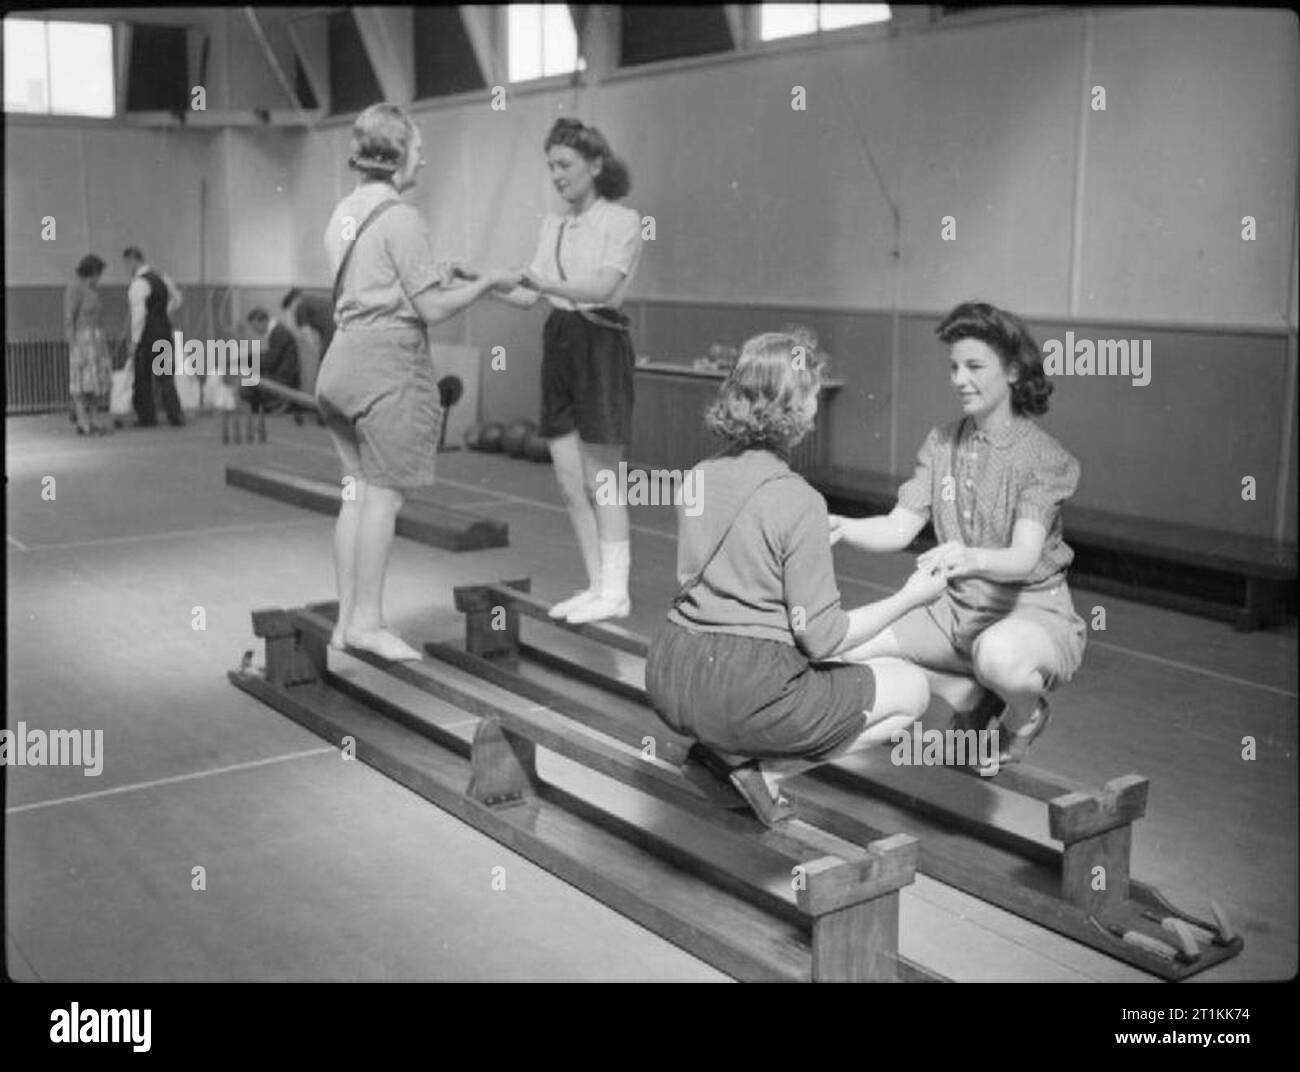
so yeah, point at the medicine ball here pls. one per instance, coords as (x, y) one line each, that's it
(473, 435)
(493, 434)
(516, 434)
(536, 448)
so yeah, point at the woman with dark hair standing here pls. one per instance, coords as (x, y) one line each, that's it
(90, 369)
(584, 262)
(377, 388)
(993, 483)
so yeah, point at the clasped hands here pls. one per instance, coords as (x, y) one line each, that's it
(502, 279)
(936, 568)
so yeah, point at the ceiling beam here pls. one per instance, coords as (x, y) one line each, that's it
(388, 34)
(122, 37)
(480, 21)
(272, 61)
(310, 39)
(598, 41)
(738, 17)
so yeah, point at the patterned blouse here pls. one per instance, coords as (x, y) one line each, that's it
(975, 485)
(82, 307)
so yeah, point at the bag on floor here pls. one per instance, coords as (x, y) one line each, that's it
(222, 394)
(119, 395)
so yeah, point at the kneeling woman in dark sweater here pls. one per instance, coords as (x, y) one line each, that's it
(745, 664)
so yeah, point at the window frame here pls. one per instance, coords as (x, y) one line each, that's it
(545, 81)
(114, 61)
(756, 26)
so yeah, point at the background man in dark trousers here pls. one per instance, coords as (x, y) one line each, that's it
(152, 298)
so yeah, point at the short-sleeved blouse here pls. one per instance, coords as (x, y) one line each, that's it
(974, 486)
(393, 263)
(606, 235)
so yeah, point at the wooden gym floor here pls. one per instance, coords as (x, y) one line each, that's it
(317, 869)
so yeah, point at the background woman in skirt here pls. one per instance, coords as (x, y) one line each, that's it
(743, 663)
(90, 368)
(376, 387)
(585, 260)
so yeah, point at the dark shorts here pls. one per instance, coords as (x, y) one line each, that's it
(587, 380)
(758, 698)
(379, 396)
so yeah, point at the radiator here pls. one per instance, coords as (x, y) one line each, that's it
(36, 374)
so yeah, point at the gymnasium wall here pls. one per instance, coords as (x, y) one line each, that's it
(1124, 223)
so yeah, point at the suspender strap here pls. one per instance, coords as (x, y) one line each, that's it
(603, 316)
(695, 579)
(559, 239)
(375, 213)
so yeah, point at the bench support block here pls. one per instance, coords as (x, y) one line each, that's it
(292, 658)
(504, 766)
(491, 624)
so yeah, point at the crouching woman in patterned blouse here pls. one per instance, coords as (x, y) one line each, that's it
(993, 483)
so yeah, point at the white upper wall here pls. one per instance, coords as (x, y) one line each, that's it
(757, 202)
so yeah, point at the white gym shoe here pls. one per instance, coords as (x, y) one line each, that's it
(600, 609)
(562, 609)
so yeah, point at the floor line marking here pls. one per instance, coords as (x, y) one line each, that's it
(17, 543)
(174, 534)
(1173, 663)
(251, 764)
(1196, 669)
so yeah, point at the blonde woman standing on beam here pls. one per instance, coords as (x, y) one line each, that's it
(377, 388)
(585, 260)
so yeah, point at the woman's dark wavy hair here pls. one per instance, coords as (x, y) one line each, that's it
(1006, 334)
(90, 266)
(613, 181)
(761, 404)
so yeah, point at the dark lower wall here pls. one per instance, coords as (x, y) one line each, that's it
(1175, 450)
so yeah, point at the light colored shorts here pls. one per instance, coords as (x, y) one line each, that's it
(942, 635)
(378, 393)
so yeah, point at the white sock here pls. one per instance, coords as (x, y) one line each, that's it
(615, 564)
(612, 598)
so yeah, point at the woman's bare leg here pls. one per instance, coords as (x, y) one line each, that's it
(79, 407)
(345, 558)
(902, 696)
(376, 528)
(600, 462)
(567, 463)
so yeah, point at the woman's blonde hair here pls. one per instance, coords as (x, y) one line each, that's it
(764, 402)
(381, 140)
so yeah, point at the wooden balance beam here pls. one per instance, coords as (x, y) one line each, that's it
(951, 810)
(420, 520)
(794, 904)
